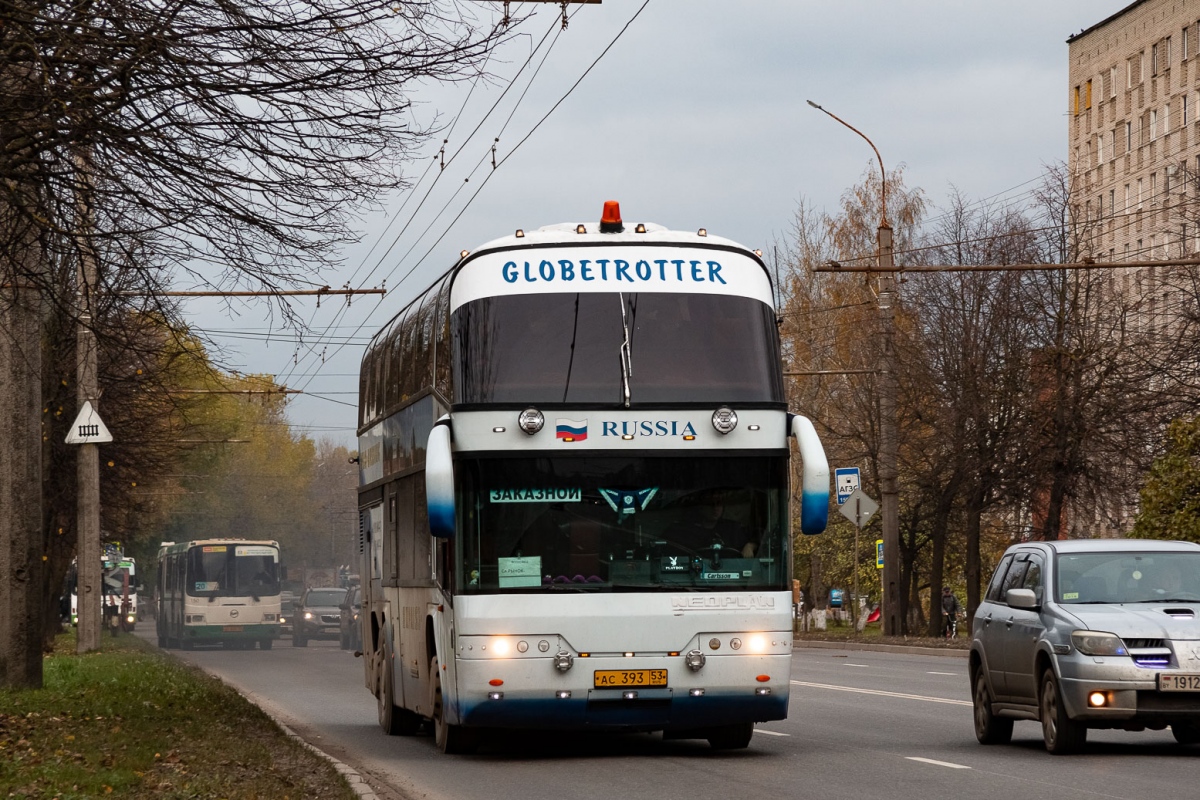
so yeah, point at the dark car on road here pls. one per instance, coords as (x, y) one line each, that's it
(351, 607)
(1089, 634)
(317, 615)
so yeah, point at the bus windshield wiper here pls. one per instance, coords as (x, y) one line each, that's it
(626, 357)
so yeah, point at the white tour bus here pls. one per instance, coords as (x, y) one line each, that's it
(218, 591)
(574, 491)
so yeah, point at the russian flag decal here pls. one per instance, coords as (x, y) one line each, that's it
(570, 430)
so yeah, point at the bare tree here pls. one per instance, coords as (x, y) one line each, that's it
(231, 142)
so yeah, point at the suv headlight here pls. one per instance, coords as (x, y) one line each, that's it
(1096, 643)
(308, 615)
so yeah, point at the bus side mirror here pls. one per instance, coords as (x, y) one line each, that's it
(814, 486)
(439, 480)
(283, 572)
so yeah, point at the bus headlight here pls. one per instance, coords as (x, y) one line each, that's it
(531, 420)
(724, 419)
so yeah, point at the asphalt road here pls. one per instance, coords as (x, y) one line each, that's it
(861, 724)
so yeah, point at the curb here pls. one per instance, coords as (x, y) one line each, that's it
(942, 652)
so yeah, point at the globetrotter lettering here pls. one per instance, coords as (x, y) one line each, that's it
(660, 270)
(660, 427)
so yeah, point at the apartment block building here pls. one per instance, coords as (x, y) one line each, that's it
(1134, 98)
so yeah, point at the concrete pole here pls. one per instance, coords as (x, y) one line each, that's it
(87, 548)
(893, 624)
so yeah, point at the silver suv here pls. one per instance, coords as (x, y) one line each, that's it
(1089, 634)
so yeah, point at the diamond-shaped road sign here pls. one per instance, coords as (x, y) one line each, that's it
(88, 428)
(859, 508)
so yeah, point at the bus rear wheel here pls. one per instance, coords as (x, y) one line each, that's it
(731, 737)
(452, 739)
(394, 720)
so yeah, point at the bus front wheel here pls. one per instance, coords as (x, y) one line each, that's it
(452, 739)
(731, 737)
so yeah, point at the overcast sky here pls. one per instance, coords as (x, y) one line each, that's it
(695, 118)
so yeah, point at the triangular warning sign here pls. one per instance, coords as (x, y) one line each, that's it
(88, 428)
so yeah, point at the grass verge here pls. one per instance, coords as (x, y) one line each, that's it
(873, 635)
(128, 721)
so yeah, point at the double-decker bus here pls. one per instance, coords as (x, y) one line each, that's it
(574, 491)
(218, 591)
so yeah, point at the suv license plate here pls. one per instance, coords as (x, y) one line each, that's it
(1171, 682)
(623, 678)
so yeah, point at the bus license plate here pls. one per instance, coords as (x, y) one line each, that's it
(232, 628)
(1178, 683)
(622, 678)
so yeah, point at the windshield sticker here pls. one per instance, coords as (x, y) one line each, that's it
(628, 501)
(520, 571)
(214, 548)
(721, 576)
(675, 564)
(535, 495)
(1070, 595)
(570, 430)
(207, 586)
(259, 550)
(1137, 574)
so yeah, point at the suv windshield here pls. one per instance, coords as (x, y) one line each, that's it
(623, 523)
(325, 597)
(229, 570)
(1128, 577)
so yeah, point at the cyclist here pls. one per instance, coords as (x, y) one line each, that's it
(950, 609)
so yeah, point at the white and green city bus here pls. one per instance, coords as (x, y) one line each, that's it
(574, 491)
(218, 591)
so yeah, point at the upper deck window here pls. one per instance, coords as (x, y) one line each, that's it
(566, 348)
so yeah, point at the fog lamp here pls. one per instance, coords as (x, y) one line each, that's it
(531, 420)
(724, 419)
(1097, 699)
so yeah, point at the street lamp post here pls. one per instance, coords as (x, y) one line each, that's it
(888, 440)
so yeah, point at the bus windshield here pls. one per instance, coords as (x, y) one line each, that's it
(566, 348)
(623, 523)
(232, 570)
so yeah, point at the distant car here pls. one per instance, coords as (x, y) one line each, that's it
(351, 607)
(287, 607)
(1089, 634)
(317, 616)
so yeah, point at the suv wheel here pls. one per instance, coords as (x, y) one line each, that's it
(1062, 734)
(989, 729)
(1186, 732)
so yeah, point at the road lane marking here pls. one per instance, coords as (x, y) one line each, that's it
(941, 673)
(865, 666)
(937, 763)
(882, 693)
(771, 733)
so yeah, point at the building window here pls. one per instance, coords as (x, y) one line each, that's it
(1153, 186)
(1126, 206)
(1183, 46)
(1153, 125)
(1112, 82)
(1139, 197)
(1100, 148)
(1153, 60)
(1129, 136)
(1075, 110)
(1166, 118)
(1087, 97)
(1112, 201)
(1166, 63)
(1183, 122)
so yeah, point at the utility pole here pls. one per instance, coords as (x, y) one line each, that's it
(87, 475)
(888, 439)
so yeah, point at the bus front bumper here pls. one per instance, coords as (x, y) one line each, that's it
(533, 693)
